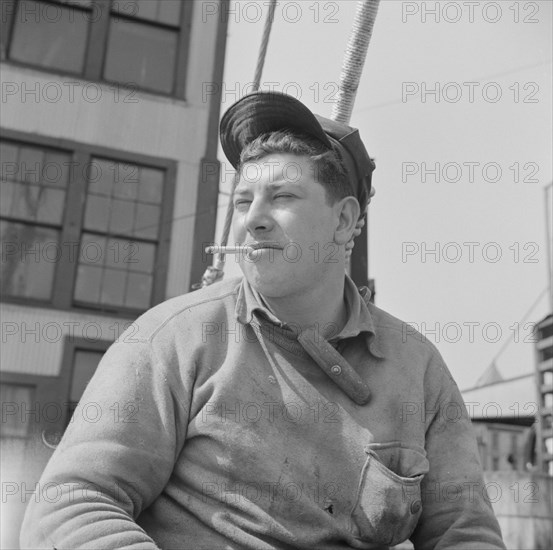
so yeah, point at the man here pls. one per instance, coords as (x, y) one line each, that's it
(281, 410)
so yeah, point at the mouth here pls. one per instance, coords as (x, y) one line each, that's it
(264, 244)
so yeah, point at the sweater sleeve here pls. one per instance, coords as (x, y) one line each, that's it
(457, 513)
(114, 459)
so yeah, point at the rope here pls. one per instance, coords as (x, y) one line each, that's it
(352, 68)
(264, 44)
(215, 272)
(354, 59)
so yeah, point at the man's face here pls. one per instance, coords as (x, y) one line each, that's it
(277, 199)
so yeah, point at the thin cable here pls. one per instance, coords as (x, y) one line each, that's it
(264, 44)
(215, 272)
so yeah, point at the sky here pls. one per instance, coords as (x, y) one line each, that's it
(455, 106)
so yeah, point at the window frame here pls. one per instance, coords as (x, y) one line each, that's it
(51, 390)
(96, 45)
(65, 274)
(70, 346)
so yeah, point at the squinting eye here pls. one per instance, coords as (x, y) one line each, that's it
(243, 202)
(284, 196)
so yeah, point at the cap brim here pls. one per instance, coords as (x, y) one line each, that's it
(262, 112)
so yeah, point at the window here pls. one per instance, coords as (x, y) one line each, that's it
(121, 228)
(84, 365)
(51, 36)
(33, 192)
(80, 228)
(141, 43)
(15, 399)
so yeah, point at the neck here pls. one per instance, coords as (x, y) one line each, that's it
(323, 307)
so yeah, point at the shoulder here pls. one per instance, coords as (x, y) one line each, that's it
(403, 344)
(397, 337)
(188, 311)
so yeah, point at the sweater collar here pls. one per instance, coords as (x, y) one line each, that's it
(359, 320)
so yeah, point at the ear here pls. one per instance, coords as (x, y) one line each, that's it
(347, 211)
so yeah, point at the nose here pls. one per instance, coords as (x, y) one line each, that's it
(258, 218)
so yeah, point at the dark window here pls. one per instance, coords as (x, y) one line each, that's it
(121, 230)
(50, 35)
(142, 54)
(33, 187)
(81, 229)
(138, 43)
(16, 401)
(84, 365)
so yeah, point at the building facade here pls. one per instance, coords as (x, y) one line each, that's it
(109, 182)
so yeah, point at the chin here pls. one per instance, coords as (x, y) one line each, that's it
(271, 284)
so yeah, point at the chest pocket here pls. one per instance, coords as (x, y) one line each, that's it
(388, 503)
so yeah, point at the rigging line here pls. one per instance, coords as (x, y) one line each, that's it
(512, 336)
(497, 75)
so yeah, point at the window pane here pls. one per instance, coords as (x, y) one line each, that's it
(121, 254)
(151, 185)
(142, 257)
(97, 213)
(84, 366)
(113, 287)
(139, 288)
(50, 35)
(107, 267)
(15, 399)
(31, 202)
(126, 182)
(147, 221)
(141, 54)
(163, 11)
(100, 177)
(30, 164)
(34, 165)
(8, 157)
(29, 255)
(7, 192)
(89, 281)
(51, 204)
(93, 249)
(122, 215)
(55, 170)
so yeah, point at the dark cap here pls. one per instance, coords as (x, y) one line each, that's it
(262, 112)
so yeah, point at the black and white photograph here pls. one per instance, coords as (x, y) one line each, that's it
(276, 274)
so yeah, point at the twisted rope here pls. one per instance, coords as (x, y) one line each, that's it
(352, 69)
(354, 60)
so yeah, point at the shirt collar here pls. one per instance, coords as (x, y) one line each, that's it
(359, 319)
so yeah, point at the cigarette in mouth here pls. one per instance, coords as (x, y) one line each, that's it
(240, 249)
(216, 249)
